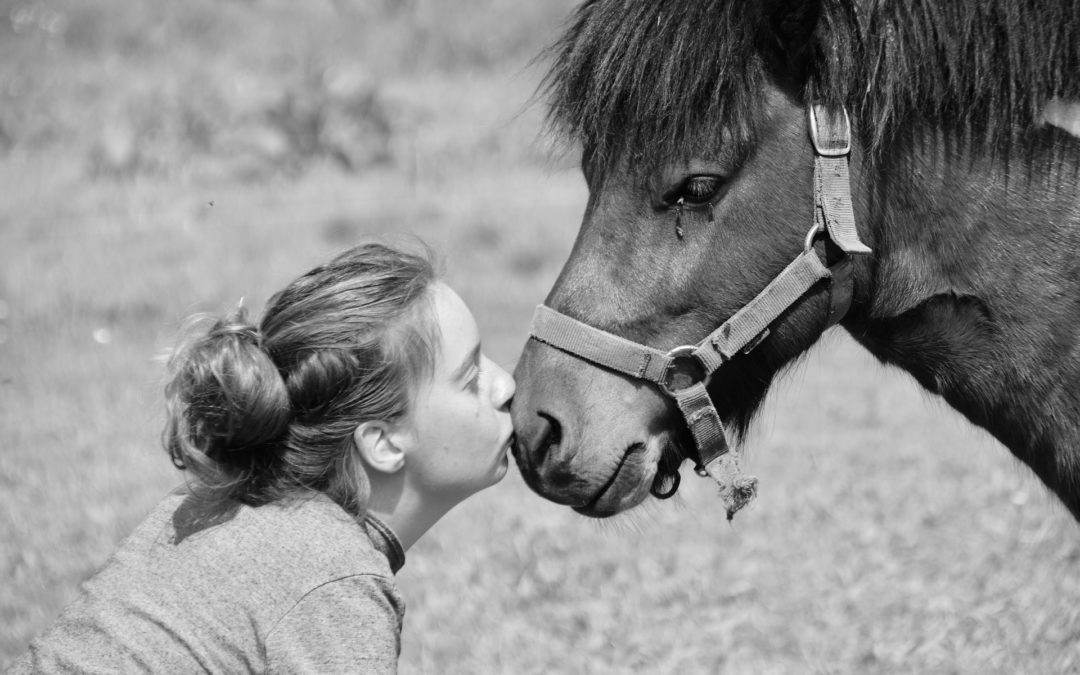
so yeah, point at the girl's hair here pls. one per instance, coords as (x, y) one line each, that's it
(263, 413)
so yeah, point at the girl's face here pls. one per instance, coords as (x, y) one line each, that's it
(460, 420)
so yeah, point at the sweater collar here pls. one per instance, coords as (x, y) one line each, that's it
(385, 541)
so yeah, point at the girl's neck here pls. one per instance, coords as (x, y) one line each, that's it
(405, 510)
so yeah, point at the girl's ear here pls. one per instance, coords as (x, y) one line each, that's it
(380, 445)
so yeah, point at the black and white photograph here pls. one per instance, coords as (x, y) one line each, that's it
(572, 337)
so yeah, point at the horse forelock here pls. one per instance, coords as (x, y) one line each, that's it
(641, 77)
(649, 77)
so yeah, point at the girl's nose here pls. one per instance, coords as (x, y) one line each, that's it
(504, 385)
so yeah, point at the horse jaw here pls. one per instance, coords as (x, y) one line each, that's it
(973, 289)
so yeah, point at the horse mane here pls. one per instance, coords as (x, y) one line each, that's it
(649, 76)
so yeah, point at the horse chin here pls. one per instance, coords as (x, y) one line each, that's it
(643, 466)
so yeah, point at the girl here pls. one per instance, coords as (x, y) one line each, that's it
(319, 446)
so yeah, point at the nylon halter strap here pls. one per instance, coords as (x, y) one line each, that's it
(684, 372)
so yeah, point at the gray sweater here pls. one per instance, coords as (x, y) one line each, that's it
(300, 587)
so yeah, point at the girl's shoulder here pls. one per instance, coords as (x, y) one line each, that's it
(263, 558)
(310, 537)
(197, 583)
(278, 552)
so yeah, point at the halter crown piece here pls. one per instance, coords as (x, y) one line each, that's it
(684, 372)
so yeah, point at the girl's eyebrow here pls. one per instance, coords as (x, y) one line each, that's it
(471, 360)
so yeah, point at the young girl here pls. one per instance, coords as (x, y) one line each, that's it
(319, 446)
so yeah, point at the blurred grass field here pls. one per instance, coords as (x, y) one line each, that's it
(158, 159)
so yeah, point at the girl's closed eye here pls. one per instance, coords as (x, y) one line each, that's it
(473, 385)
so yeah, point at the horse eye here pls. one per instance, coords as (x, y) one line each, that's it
(696, 190)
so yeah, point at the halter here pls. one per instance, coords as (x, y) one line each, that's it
(684, 372)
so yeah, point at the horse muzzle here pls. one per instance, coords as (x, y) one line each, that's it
(588, 439)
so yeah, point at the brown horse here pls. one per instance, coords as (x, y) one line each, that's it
(691, 115)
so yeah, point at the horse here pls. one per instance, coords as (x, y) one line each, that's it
(697, 125)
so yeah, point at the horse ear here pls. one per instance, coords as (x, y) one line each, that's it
(787, 38)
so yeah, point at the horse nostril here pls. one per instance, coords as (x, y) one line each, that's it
(550, 437)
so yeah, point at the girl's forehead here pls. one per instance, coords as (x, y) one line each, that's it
(457, 327)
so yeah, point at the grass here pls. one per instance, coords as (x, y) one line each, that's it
(144, 182)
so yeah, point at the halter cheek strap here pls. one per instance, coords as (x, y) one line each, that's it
(684, 372)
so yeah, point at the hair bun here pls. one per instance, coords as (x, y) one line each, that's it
(227, 401)
(237, 326)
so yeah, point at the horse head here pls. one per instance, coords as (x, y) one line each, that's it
(671, 245)
(692, 118)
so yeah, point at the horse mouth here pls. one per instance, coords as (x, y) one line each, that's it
(593, 508)
(625, 487)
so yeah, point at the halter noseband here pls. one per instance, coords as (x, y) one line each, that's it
(684, 372)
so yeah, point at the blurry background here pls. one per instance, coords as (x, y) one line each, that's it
(163, 158)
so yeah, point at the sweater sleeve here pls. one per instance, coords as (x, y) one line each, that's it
(349, 625)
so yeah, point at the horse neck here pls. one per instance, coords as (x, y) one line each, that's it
(974, 290)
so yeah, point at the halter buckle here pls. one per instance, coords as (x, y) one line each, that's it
(684, 370)
(836, 142)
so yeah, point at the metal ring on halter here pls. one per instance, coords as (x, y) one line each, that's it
(670, 492)
(685, 364)
(811, 236)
